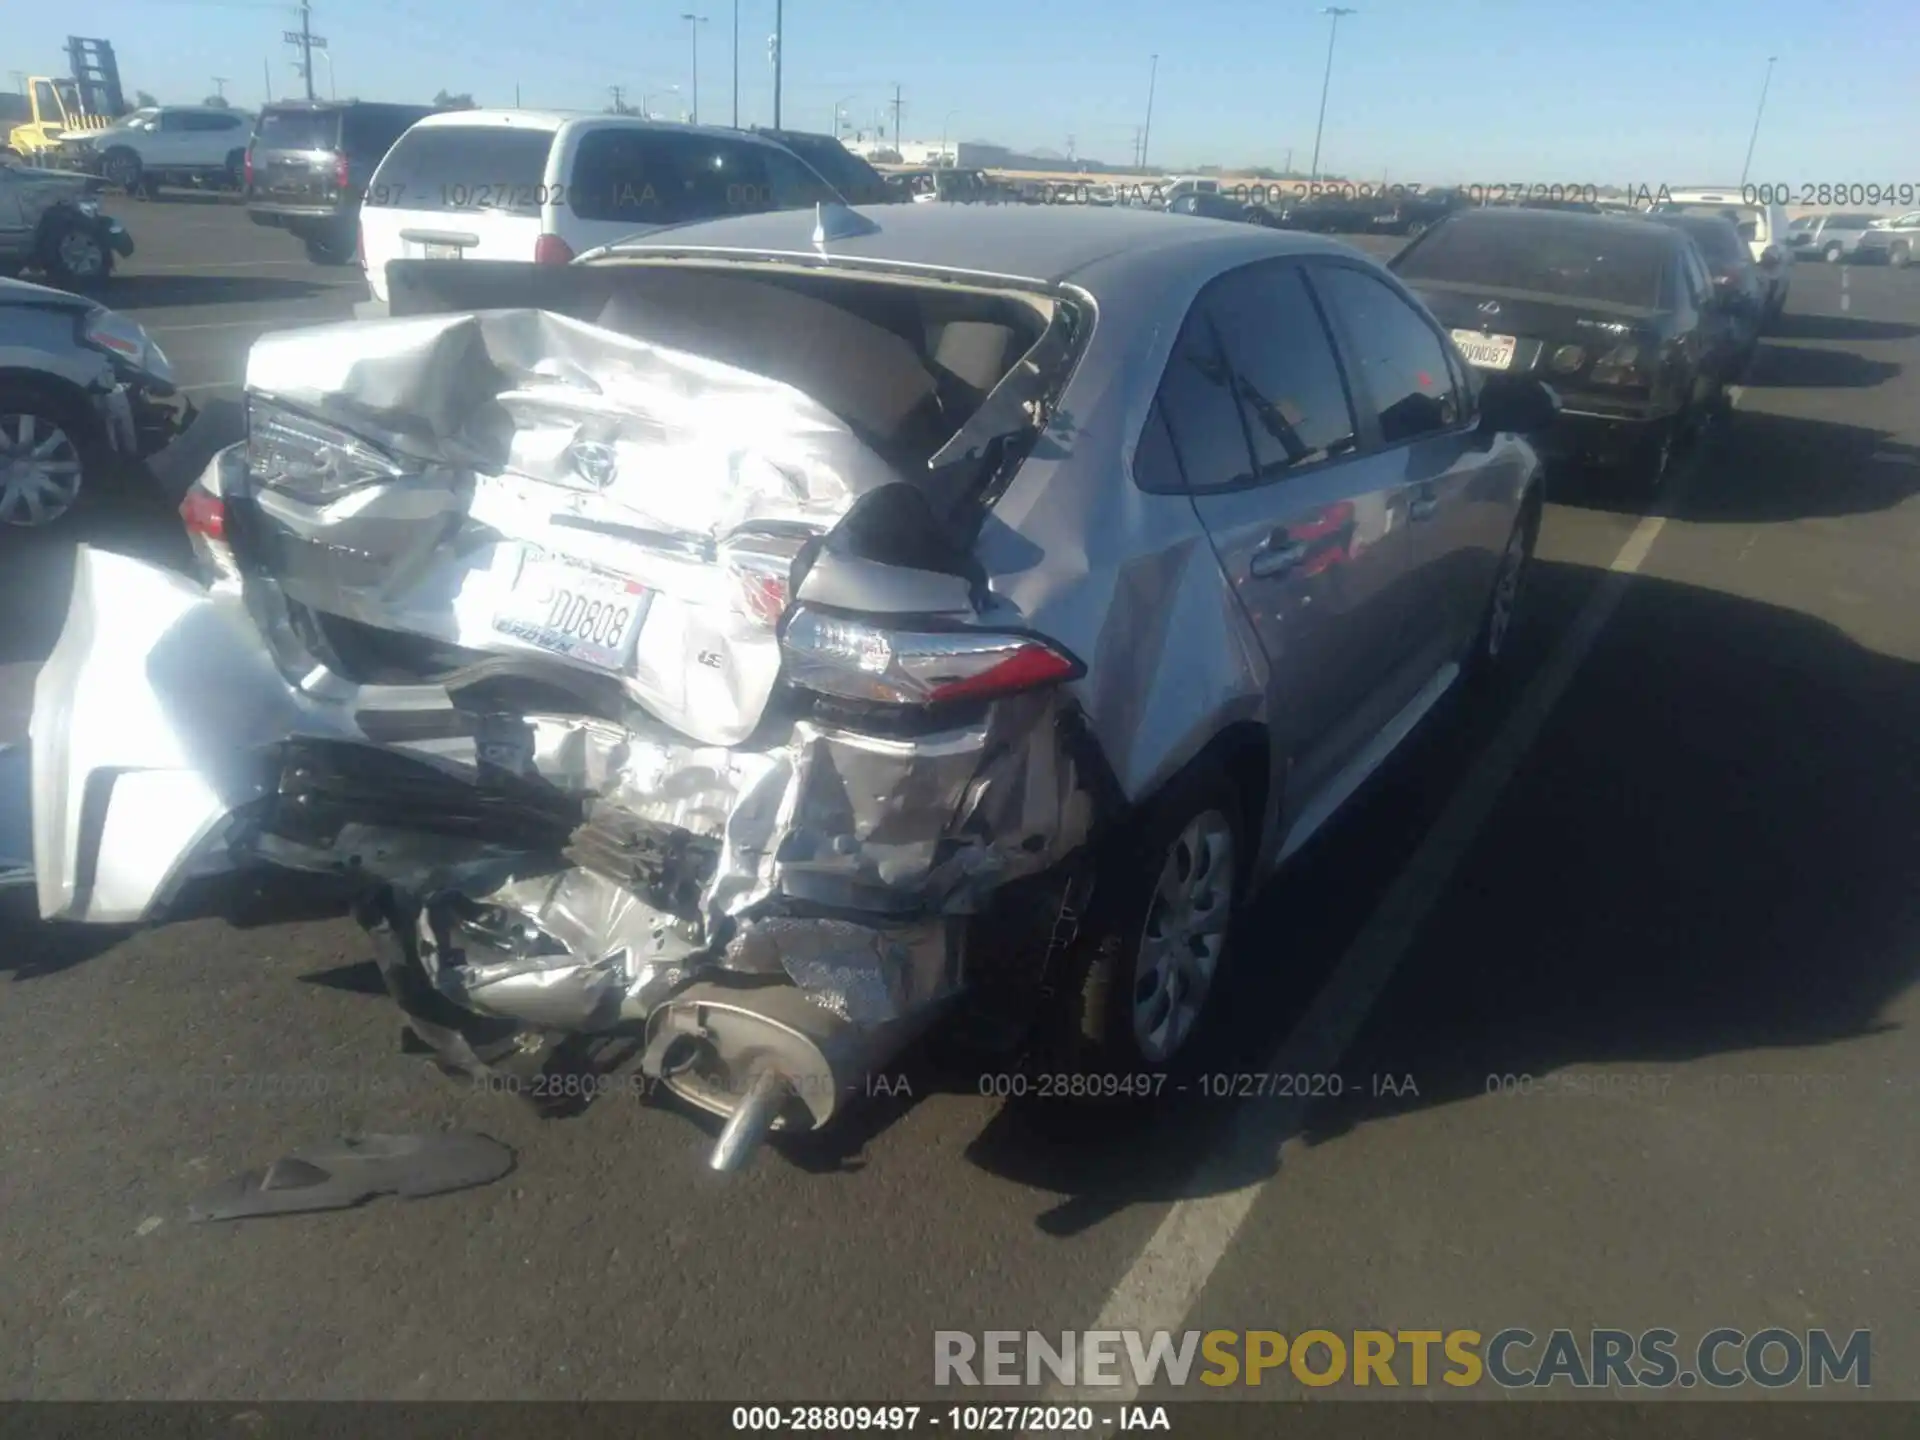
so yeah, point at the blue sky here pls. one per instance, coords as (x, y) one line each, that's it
(1579, 91)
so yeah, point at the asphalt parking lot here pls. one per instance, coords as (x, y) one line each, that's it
(1609, 981)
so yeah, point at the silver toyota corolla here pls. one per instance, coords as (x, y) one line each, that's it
(766, 640)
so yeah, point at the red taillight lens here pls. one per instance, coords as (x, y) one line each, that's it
(857, 660)
(204, 515)
(342, 178)
(552, 250)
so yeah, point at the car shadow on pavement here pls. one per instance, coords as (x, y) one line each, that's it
(1807, 367)
(1796, 325)
(1740, 873)
(141, 292)
(1761, 468)
(1714, 849)
(36, 948)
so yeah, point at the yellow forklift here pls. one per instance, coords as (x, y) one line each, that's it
(57, 107)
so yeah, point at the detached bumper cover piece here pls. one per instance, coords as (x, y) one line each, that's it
(347, 1172)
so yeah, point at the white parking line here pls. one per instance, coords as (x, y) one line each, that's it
(1846, 300)
(1170, 1273)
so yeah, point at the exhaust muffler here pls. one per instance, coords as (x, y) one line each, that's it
(767, 1058)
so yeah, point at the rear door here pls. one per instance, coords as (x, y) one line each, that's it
(296, 156)
(1307, 519)
(456, 191)
(1458, 498)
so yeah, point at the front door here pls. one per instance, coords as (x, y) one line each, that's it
(1305, 516)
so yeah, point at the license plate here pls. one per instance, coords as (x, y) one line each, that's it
(443, 252)
(1489, 352)
(567, 609)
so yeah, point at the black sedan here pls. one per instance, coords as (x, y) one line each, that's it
(1621, 317)
(1333, 213)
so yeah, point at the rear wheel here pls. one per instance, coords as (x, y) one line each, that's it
(235, 176)
(330, 247)
(1900, 256)
(1150, 963)
(122, 169)
(1832, 254)
(1503, 605)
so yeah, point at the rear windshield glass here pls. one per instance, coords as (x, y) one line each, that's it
(298, 130)
(835, 163)
(1718, 241)
(1740, 215)
(465, 167)
(1603, 260)
(665, 177)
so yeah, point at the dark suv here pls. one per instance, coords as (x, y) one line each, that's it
(309, 164)
(852, 176)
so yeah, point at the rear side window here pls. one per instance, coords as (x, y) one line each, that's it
(1292, 397)
(209, 121)
(298, 130)
(1398, 354)
(658, 177)
(464, 167)
(1199, 411)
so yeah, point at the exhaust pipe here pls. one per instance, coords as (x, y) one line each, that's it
(767, 1058)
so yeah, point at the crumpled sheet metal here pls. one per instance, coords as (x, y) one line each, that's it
(533, 429)
(686, 445)
(866, 975)
(569, 949)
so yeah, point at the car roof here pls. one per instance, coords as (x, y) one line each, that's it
(1096, 247)
(554, 120)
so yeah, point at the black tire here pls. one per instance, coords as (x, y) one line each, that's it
(1492, 643)
(1900, 256)
(75, 256)
(235, 176)
(48, 411)
(1832, 254)
(1107, 988)
(121, 168)
(330, 248)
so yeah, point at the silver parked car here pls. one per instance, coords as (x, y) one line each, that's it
(85, 396)
(1832, 238)
(1894, 240)
(798, 629)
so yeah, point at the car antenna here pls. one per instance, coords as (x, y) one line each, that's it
(834, 221)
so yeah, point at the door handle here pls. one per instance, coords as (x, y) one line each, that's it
(1425, 508)
(1271, 559)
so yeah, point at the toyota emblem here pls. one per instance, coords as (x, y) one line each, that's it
(593, 462)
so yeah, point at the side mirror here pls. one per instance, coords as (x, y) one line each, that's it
(1517, 403)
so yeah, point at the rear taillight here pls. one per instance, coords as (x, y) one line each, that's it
(856, 660)
(247, 170)
(205, 515)
(1622, 365)
(552, 250)
(342, 177)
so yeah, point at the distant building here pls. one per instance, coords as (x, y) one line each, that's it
(964, 154)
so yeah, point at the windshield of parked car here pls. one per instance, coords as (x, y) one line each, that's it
(1742, 216)
(1616, 261)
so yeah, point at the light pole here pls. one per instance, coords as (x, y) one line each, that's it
(944, 121)
(1336, 11)
(1755, 138)
(1146, 130)
(778, 29)
(694, 22)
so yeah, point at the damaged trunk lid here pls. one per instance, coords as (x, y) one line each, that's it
(604, 476)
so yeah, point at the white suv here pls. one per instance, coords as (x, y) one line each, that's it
(1763, 227)
(548, 186)
(172, 145)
